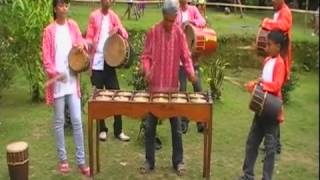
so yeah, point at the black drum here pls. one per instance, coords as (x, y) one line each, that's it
(265, 104)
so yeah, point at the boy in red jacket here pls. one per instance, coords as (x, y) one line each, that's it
(271, 80)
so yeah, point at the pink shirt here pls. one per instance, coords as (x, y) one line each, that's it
(94, 28)
(48, 52)
(161, 56)
(194, 16)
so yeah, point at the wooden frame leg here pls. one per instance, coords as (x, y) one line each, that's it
(90, 142)
(97, 146)
(205, 150)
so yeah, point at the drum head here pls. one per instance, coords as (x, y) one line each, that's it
(78, 61)
(17, 147)
(115, 50)
(190, 36)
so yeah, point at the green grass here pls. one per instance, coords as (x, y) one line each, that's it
(222, 24)
(32, 122)
(22, 120)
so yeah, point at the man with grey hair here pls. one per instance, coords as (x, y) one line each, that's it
(165, 45)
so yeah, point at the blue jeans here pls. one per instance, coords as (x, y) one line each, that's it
(74, 105)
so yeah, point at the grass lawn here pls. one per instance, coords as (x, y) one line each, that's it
(32, 122)
(222, 24)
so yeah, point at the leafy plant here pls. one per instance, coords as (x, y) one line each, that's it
(290, 85)
(25, 21)
(137, 79)
(216, 70)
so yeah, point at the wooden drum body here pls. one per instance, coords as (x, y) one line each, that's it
(261, 40)
(117, 52)
(201, 41)
(265, 104)
(78, 60)
(18, 161)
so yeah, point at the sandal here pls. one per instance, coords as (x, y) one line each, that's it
(146, 168)
(180, 169)
(64, 167)
(84, 170)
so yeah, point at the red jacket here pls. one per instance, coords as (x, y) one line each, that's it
(278, 80)
(283, 23)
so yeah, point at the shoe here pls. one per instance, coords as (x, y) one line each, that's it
(64, 167)
(84, 170)
(158, 144)
(180, 169)
(184, 127)
(200, 127)
(123, 137)
(146, 168)
(103, 136)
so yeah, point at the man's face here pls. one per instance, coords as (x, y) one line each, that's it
(277, 3)
(168, 21)
(105, 3)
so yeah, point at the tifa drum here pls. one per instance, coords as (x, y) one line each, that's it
(261, 40)
(201, 41)
(117, 52)
(78, 60)
(18, 160)
(265, 104)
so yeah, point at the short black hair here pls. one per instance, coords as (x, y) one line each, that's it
(55, 3)
(280, 38)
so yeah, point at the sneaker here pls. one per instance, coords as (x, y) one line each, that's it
(64, 167)
(103, 136)
(84, 170)
(200, 127)
(180, 169)
(123, 137)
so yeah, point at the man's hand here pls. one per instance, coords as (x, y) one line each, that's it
(193, 79)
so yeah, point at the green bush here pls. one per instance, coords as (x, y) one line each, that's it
(25, 21)
(6, 63)
(136, 40)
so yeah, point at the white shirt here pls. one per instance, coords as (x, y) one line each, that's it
(275, 16)
(98, 60)
(184, 16)
(63, 46)
(267, 72)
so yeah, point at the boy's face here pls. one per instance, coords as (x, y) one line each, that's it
(277, 4)
(62, 9)
(105, 3)
(273, 49)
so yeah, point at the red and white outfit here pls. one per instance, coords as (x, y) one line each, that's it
(282, 20)
(273, 78)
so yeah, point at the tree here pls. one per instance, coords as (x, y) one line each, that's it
(26, 19)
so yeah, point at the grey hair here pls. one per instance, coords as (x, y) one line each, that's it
(170, 7)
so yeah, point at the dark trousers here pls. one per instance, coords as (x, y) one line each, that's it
(261, 128)
(150, 134)
(183, 86)
(107, 78)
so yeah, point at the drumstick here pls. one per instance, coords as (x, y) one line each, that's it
(235, 82)
(52, 80)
